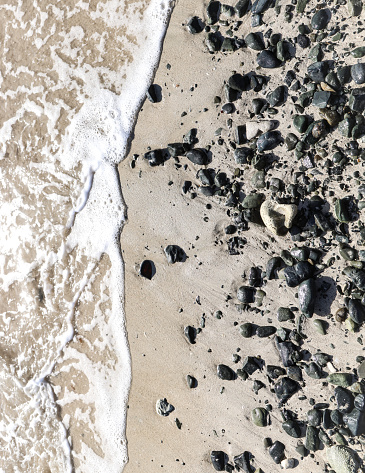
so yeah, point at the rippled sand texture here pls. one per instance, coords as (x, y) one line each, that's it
(64, 359)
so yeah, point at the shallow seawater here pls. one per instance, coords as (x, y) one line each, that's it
(72, 78)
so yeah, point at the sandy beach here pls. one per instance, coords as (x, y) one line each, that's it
(216, 415)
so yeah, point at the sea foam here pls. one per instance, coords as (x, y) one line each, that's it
(72, 80)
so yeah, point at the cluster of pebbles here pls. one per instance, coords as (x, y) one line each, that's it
(315, 212)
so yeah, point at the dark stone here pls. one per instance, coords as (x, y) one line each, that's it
(276, 451)
(274, 372)
(336, 417)
(291, 140)
(250, 365)
(298, 273)
(277, 96)
(147, 269)
(360, 402)
(254, 41)
(240, 135)
(213, 12)
(295, 372)
(292, 428)
(268, 60)
(327, 422)
(242, 462)
(192, 382)
(318, 71)
(358, 73)
(205, 176)
(197, 156)
(356, 311)
(155, 157)
(219, 459)
(153, 94)
(246, 294)
(225, 372)
(284, 314)
(175, 254)
(257, 105)
(272, 265)
(228, 45)
(242, 155)
(177, 149)
(241, 7)
(230, 230)
(288, 352)
(357, 276)
(213, 42)
(239, 82)
(314, 417)
(355, 421)
(344, 399)
(190, 334)
(265, 331)
(321, 19)
(357, 99)
(321, 99)
(307, 296)
(268, 141)
(313, 370)
(303, 41)
(195, 25)
(285, 388)
(164, 408)
(344, 74)
(246, 330)
(312, 439)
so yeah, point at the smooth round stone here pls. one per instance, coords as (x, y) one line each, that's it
(292, 428)
(195, 25)
(265, 331)
(228, 108)
(147, 269)
(284, 314)
(300, 122)
(268, 60)
(358, 73)
(259, 416)
(313, 370)
(254, 41)
(197, 156)
(253, 201)
(307, 296)
(276, 451)
(238, 82)
(321, 19)
(219, 460)
(314, 417)
(225, 372)
(192, 382)
(246, 330)
(268, 141)
(246, 294)
(320, 326)
(290, 141)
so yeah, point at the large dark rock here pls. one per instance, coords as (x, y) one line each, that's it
(356, 311)
(175, 254)
(298, 273)
(276, 451)
(344, 399)
(285, 388)
(292, 428)
(268, 60)
(213, 12)
(219, 460)
(321, 19)
(197, 156)
(355, 421)
(358, 73)
(254, 41)
(239, 82)
(225, 372)
(268, 141)
(242, 155)
(307, 297)
(318, 71)
(241, 7)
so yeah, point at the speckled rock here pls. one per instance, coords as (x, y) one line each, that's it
(343, 459)
(278, 218)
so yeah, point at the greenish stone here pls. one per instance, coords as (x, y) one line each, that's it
(284, 314)
(342, 210)
(301, 4)
(331, 116)
(314, 417)
(253, 201)
(358, 52)
(306, 98)
(258, 180)
(259, 416)
(332, 80)
(337, 37)
(282, 52)
(246, 330)
(300, 122)
(260, 295)
(340, 439)
(321, 99)
(354, 7)
(312, 439)
(349, 254)
(316, 53)
(292, 428)
(361, 204)
(340, 379)
(324, 438)
(320, 326)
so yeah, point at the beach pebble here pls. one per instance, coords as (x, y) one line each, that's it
(242, 462)
(361, 370)
(242, 155)
(355, 421)
(253, 128)
(259, 6)
(250, 365)
(197, 156)
(155, 157)
(285, 388)
(292, 428)
(321, 19)
(147, 269)
(294, 275)
(190, 333)
(343, 459)
(307, 296)
(213, 11)
(312, 439)
(288, 353)
(278, 218)
(246, 330)
(238, 82)
(268, 60)
(254, 41)
(320, 326)
(344, 399)
(314, 417)
(354, 7)
(288, 463)
(318, 71)
(246, 294)
(192, 382)
(164, 408)
(195, 25)
(219, 460)
(340, 379)
(259, 416)
(174, 254)
(359, 402)
(276, 451)
(358, 73)
(265, 331)
(225, 372)
(268, 141)
(356, 311)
